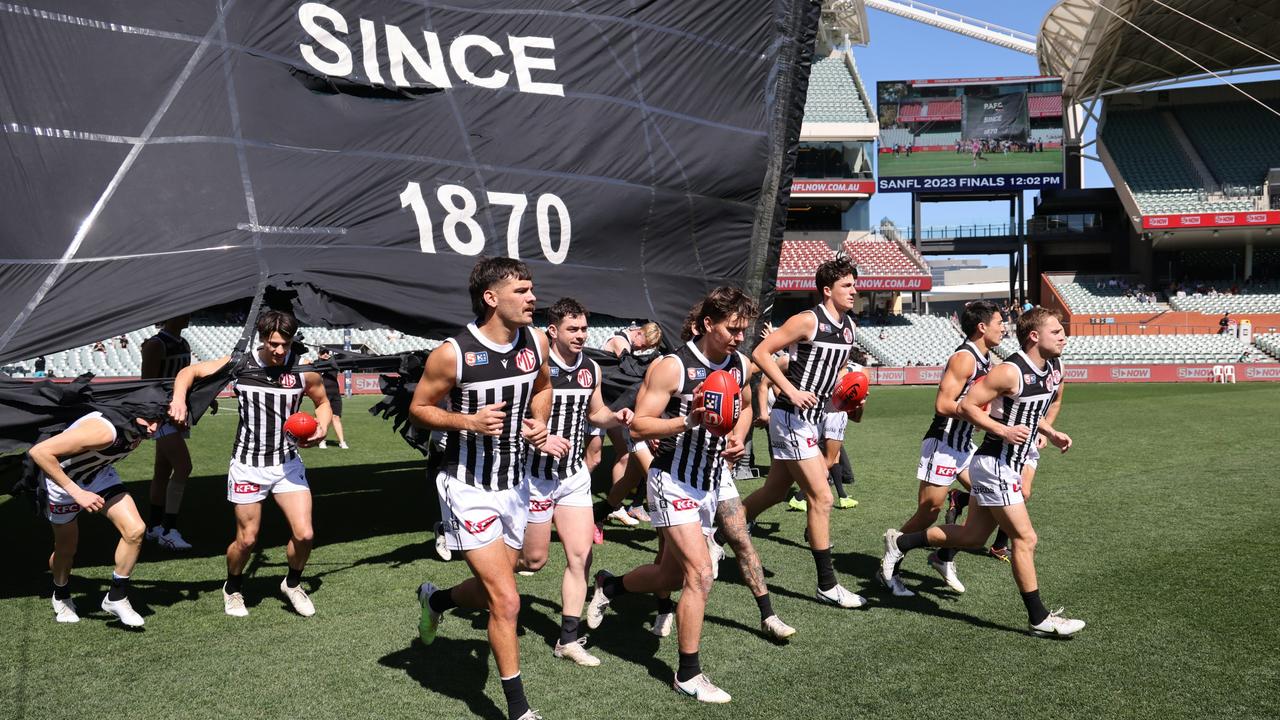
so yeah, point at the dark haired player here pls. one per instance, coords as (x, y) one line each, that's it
(560, 487)
(948, 445)
(495, 377)
(77, 474)
(163, 356)
(1021, 391)
(818, 342)
(264, 458)
(689, 467)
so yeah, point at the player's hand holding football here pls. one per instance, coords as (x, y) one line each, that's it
(734, 449)
(315, 437)
(89, 501)
(490, 418)
(1017, 434)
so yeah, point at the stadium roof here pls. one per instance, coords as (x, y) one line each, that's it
(845, 17)
(1098, 46)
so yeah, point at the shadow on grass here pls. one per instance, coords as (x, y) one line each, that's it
(454, 668)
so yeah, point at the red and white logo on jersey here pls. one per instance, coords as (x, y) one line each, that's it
(480, 525)
(584, 378)
(540, 505)
(245, 488)
(943, 471)
(737, 375)
(63, 509)
(848, 335)
(288, 380)
(526, 360)
(684, 504)
(1057, 378)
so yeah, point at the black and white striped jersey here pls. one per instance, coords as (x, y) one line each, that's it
(1039, 388)
(571, 390)
(489, 373)
(266, 397)
(176, 353)
(83, 467)
(693, 456)
(956, 432)
(816, 362)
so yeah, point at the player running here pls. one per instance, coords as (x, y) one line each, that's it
(560, 487)
(1022, 390)
(688, 467)
(495, 376)
(948, 446)
(163, 356)
(77, 474)
(264, 458)
(819, 341)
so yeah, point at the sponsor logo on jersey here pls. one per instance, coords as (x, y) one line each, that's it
(584, 378)
(555, 371)
(479, 526)
(824, 327)
(63, 509)
(245, 488)
(737, 375)
(684, 504)
(697, 373)
(1028, 378)
(848, 335)
(526, 360)
(1056, 377)
(944, 471)
(540, 505)
(288, 380)
(476, 358)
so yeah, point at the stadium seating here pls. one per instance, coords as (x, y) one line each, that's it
(1269, 343)
(908, 338)
(1092, 294)
(1238, 141)
(1262, 298)
(929, 110)
(895, 136)
(1044, 105)
(801, 258)
(1160, 176)
(1046, 135)
(877, 255)
(833, 96)
(1150, 349)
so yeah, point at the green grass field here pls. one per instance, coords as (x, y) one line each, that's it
(949, 163)
(1159, 529)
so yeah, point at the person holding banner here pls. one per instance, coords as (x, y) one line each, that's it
(495, 376)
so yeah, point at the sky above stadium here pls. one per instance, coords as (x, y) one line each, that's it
(901, 49)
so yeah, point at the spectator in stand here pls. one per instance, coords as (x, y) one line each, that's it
(1224, 323)
(40, 366)
(122, 342)
(882, 334)
(1027, 306)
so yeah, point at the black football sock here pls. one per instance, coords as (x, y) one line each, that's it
(568, 629)
(1036, 612)
(293, 578)
(962, 501)
(718, 537)
(517, 704)
(119, 588)
(1002, 540)
(442, 600)
(826, 573)
(833, 477)
(947, 554)
(689, 667)
(157, 515)
(612, 587)
(233, 583)
(766, 607)
(911, 541)
(170, 521)
(666, 605)
(846, 467)
(62, 592)
(600, 510)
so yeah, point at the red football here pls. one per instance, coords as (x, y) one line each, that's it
(300, 425)
(721, 402)
(850, 390)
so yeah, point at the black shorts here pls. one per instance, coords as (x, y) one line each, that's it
(335, 405)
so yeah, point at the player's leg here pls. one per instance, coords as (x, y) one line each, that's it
(248, 513)
(811, 475)
(537, 532)
(161, 474)
(122, 513)
(831, 453)
(337, 429)
(493, 568)
(732, 523)
(178, 458)
(774, 490)
(1015, 521)
(594, 450)
(66, 538)
(574, 525)
(296, 506)
(1000, 545)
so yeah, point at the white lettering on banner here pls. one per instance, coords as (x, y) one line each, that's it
(460, 208)
(1268, 373)
(1256, 217)
(890, 375)
(367, 384)
(327, 27)
(931, 375)
(1077, 373)
(1194, 373)
(1130, 373)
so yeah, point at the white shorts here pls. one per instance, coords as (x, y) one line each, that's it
(672, 502)
(247, 484)
(940, 463)
(1033, 458)
(834, 424)
(728, 489)
(474, 517)
(594, 431)
(791, 437)
(168, 429)
(994, 483)
(62, 509)
(546, 494)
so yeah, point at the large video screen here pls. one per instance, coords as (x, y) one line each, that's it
(998, 134)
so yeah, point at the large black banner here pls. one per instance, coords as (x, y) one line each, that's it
(996, 117)
(161, 157)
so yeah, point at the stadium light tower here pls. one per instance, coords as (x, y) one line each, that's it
(960, 24)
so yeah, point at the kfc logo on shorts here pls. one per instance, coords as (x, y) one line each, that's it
(63, 509)
(584, 378)
(245, 488)
(526, 360)
(540, 505)
(848, 335)
(476, 358)
(942, 471)
(684, 504)
(479, 526)
(288, 380)
(811, 442)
